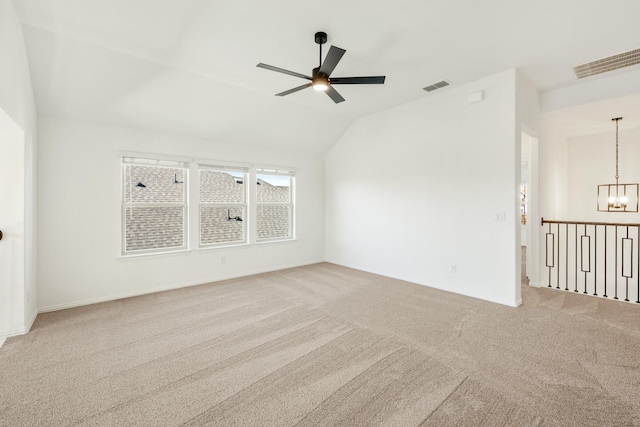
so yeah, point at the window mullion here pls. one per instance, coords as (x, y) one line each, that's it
(192, 196)
(253, 206)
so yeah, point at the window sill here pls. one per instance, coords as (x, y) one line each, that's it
(231, 246)
(204, 249)
(151, 254)
(268, 242)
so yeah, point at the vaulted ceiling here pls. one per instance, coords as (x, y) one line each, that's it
(189, 66)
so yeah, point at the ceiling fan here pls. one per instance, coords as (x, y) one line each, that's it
(321, 79)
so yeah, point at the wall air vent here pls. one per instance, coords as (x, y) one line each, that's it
(438, 85)
(610, 63)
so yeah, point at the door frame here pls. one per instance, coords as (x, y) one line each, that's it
(13, 295)
(533, 230)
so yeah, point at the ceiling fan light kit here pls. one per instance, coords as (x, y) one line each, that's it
(320, 79)
(320, 83)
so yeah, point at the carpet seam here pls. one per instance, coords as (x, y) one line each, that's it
(348, 383)
(444, 400)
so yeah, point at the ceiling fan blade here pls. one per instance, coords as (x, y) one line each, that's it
(331, 60)
(372, 80)
(333, 94)
(282, 70)
(295, 89)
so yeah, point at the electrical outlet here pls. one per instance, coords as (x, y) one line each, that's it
(454, 268)
(501, 216)
(223, 260)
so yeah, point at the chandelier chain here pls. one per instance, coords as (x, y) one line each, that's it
(617, 176)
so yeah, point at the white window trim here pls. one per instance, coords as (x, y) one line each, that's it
(150, 254)
(223, 164)
(154, 156)
(276, 170)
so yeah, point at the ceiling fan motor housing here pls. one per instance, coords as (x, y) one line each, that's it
(316, 73)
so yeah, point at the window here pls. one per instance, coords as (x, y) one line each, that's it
(275, 204)
(155, 209)
(154, 205)
(223, 205)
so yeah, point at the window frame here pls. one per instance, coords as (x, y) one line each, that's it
(221, 167)
(276, 171)
(148, 160)
(191, 196)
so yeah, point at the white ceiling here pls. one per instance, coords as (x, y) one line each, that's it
(594, 118)
(189, 66)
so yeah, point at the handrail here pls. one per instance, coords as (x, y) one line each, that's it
(620, 224)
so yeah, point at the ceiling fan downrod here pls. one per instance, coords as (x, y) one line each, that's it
(320, 38)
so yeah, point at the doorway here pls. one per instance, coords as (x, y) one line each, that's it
(524, 204)
(528, 200)
(12, 225)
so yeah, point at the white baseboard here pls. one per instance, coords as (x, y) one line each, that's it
(503, 301)
(136, 293)
(30, 323)
(18, 331)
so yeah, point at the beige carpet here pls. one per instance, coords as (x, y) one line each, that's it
(326, 345)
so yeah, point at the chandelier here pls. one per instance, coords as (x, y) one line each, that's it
(617, 197)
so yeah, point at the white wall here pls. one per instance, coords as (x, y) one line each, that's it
(585, 162)
(79, 207)
(606, 86)
(557, 106)
(16, 100)
(590, 162)
(415, 189)
(553, 173)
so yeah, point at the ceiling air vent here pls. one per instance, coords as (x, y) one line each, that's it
(609, 63)
(435, 86)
